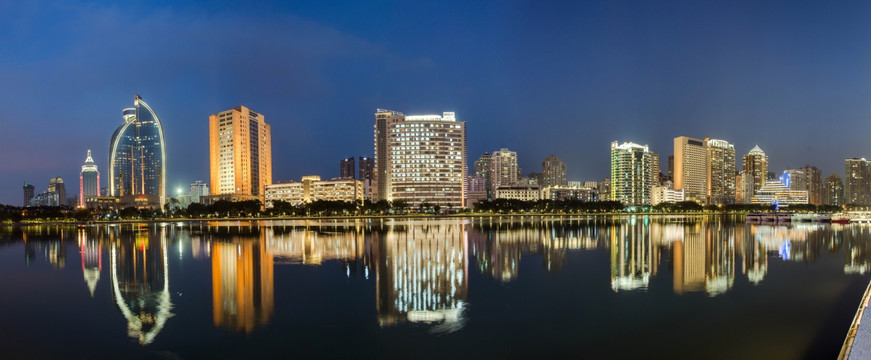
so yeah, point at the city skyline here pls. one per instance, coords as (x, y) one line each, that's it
(758, 74)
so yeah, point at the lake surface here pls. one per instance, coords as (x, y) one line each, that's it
(593, 287)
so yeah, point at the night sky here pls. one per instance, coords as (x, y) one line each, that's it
(539, 78)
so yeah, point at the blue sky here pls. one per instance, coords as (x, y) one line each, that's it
(540, 78)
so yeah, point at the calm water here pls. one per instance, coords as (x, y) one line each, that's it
(622, 287)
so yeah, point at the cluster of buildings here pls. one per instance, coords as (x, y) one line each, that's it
(421, 160)
(705, 171)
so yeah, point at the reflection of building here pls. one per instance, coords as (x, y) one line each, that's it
(240, 152)
(92, 259)
(137, 155)
(421, 274)
(719, 258)
(630, 173)
(689, 260)
(420, 159)
(140, 281)
(631, 257)
(242, 284)
(754, 263)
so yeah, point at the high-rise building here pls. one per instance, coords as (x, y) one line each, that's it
(420, 158)
(198, 189)
(240, 152)
(56, 185)
(367, 174)
(720, 171)
(28, 194)
(482, 168)
(834, 190)
(89, 180)
(743, 188)
(654, 168)
(756, 166)
(690, 160)
(504, 169)
(671, 167)
(630, 173)
(137, 155)
(857, 182)
(346, 168)
(808, 178)
(553, 172)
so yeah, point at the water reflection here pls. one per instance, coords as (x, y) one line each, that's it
(140, 280)
(242, 282)
(92, 259)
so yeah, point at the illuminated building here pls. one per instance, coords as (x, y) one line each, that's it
(28, 194)
(720, 171)
(777, 192)
(664, 193)
(243, 291)
(367, 172)
(582, 193)
(139, 270)
(420, 158)
(89, 180)
(690, 160)
(756, 167)
(198, 190)
(476, 190)
(503, 168)
(346, 168)
(312, 188)
(807, 178)
(743, 188)
(857, 182)
(519, 192)
(553, 172)
(137, 155)
(482, 168)
(54, 196)
(654, 168)
(421, 275)
(630, 174)
(834, 190)
(604, 190)
(240, 153)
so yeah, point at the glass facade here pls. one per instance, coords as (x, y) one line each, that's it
(137, 154)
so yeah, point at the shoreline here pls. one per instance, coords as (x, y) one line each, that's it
(353, 217)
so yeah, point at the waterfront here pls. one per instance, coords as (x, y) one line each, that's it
(608, 286)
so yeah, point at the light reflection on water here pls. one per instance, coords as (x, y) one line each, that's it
(419, 269)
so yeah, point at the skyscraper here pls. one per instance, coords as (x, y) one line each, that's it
(346, 168)
(137, 155)
(240, 152)
(28, 194)
(56, 185)
(366, 168)
(553, 172)
(857, 182)
(630, 173)
(720, 171)
(503, 168)
(834, 190)
(756, 166)
(482, 168)
(654, 168)
(690, 160)
(420, 158)
(89, 180)
(810, 180)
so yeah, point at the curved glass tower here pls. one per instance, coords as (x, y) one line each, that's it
(137, 154)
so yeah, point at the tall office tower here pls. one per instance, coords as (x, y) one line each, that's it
(671, 167)
(743, 188)
(720, 171)
(857, 182)
(630, 173)
(385, 123)
(689, 168)
(28, 194)
(56, 185)
(756, 166)
(812, 182)
(198, 189)
(482, 168)
(834, 190)
(137, 155)
(346, 168)
(367, 168)
(240, 152)
(654, 168)
(503, 168)
(553, 172)
(89, 180)
(420, 158)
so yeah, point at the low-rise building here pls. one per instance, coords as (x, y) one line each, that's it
(570, 192)
(312, 188)
(661, 194)
(776, 192)
(525, 193)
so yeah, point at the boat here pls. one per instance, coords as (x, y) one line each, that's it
(840, 219)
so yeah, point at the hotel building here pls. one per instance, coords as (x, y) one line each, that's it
(240, 153)
(630, 173)
(690, 162)
(312, 188)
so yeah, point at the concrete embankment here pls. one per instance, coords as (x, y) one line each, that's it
(857, 345)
